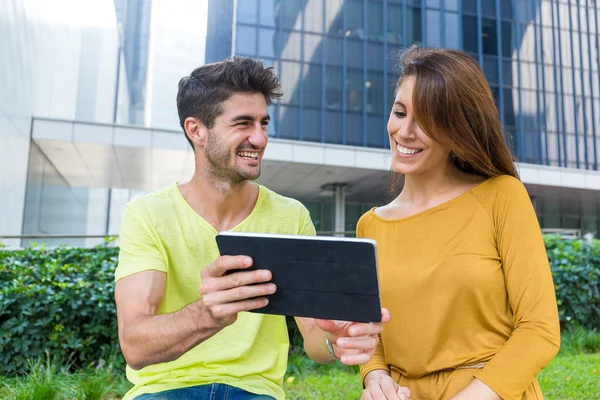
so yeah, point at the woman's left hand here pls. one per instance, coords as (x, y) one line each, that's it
(353, 342)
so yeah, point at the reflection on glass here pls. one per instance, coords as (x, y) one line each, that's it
(507, 39)
(354, 54)
(433, 28)
(334, 17)
(451, 36)
(290, 82)
(509, 109)
(375, 56)
(470, 6)
(288, 122)
(488, 8)
(312, 85)
(354, 131)
(413, 22)
(292, 14)
(470, 34)
(489, 36)
(394, 24)
(313, 51)
(291, 45)
(333, 127)
(311, 125)
(374, 87)
(375, 131)
(354, 12)
(313, 16)
(268, 12)
(490, 68)
(267, 42)
(334, 51)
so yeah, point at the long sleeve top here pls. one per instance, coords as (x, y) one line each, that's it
(467, 282)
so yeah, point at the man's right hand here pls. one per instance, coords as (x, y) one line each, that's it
(225, 295)
(379, 385)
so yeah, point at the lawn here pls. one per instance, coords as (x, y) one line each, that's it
(573, 375)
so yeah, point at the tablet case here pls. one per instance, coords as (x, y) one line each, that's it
(316, 277)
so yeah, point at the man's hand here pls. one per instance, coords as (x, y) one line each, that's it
(224, 296)
(353, 342)
(380, 386)
(476, 390)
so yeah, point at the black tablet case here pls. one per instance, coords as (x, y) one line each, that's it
(329, 279)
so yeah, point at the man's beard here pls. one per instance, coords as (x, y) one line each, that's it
(219, 159)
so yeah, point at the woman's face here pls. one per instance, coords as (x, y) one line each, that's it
(413, 152)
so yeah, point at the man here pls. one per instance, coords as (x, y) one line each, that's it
(182, 326)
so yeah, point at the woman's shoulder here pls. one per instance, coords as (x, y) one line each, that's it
(501, 189)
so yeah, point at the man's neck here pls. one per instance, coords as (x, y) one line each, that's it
(221, 204)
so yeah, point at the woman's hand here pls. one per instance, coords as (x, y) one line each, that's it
(379, 385)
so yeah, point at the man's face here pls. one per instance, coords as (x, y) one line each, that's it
(236, 143)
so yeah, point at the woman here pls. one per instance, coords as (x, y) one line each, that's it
(463, 268)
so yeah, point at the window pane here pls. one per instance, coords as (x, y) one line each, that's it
(354, 129)
(266, 43)
(490, 68)
(375, 131)
(451, 5)
(375, 21)
(355, 19)
(433, 28)
(451, 36)
(292, 45)
(245, 42)
(313, 16)
(354, 84)
(509, 109)
(375, 56)
(247, 11)
(414, 25)
(290, 81)
(507, 73)
(288, 122)
(267, 12)
(334, 51)
(489, 37)
(506, 10)
(333, 87)
(313, 51)
(311, 125)
(374, 86)
(394, 24)
(488, 8)
(433, 3)
(354, 54)
(507, 39)
(334, 17)
(470, 34)
(312, 85)
(292, 14)
(470, 6)
(333, 127)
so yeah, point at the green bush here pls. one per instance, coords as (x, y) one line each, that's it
(61, 301)
(575, 268)
(56, 300)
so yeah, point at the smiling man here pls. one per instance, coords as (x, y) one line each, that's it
(183, 325)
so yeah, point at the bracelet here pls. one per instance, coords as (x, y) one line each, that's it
(330, 349)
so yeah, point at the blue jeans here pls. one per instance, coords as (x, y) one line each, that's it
(214, 391)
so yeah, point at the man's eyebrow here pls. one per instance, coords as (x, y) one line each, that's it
(249, 118)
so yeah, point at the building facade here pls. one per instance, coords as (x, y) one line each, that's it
(336, 61)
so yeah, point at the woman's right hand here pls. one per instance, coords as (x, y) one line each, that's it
(379, 385)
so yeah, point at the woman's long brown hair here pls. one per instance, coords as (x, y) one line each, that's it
(454, 106)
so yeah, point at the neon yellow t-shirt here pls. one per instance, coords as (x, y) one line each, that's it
(160, 231)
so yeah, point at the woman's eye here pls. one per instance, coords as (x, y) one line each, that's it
(400, 114)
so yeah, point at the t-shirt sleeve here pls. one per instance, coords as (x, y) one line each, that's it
(140, 249)
(307, 228)
(536, 336)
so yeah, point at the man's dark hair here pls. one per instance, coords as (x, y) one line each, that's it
(201, 94)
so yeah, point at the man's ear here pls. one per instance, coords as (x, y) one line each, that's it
(196, 131)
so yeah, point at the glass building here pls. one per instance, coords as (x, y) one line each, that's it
(336, 61)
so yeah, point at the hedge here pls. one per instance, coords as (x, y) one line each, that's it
(60, 300)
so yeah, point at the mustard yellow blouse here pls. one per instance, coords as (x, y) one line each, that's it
(470, 293)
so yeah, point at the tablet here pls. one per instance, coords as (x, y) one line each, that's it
(317, 277)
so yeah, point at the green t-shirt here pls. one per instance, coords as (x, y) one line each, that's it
(160, 231)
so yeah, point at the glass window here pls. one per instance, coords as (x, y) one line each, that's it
(394, 24)
(267, 42)
(433, 3)
(374, 87)
(354, 54)
(414, 25)
(311, 125)
(315, 213)
(488, 8)
(354, 87)
(288, 122)
(375, 131)
(507, 73)
(470, 34)
(353, 213)
(433, 28)
(451, 5)
(247, 12)
(392, 57)
(334, 17)
(313, 16)
(392, 81)
(333, 87)
(354, 15)
(375, 21)
(245, 42)
(490, 68)
(509, 108)
(268, 12)
(292, 45)
(375, 56)
(506, 9)
(333, 127)
(273, 113)
(290, 82)
(507, 39)
(292, 14)
(312, 85)
(354, 129)
(489, 37)
(334, 51)
(313, 51)
(451, 35)
(469, 6)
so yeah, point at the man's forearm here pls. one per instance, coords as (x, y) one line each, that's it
(161, 338)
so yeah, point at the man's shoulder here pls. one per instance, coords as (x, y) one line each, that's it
(273, 201)
(158, 199)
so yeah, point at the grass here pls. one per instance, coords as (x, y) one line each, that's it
(574, 374)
